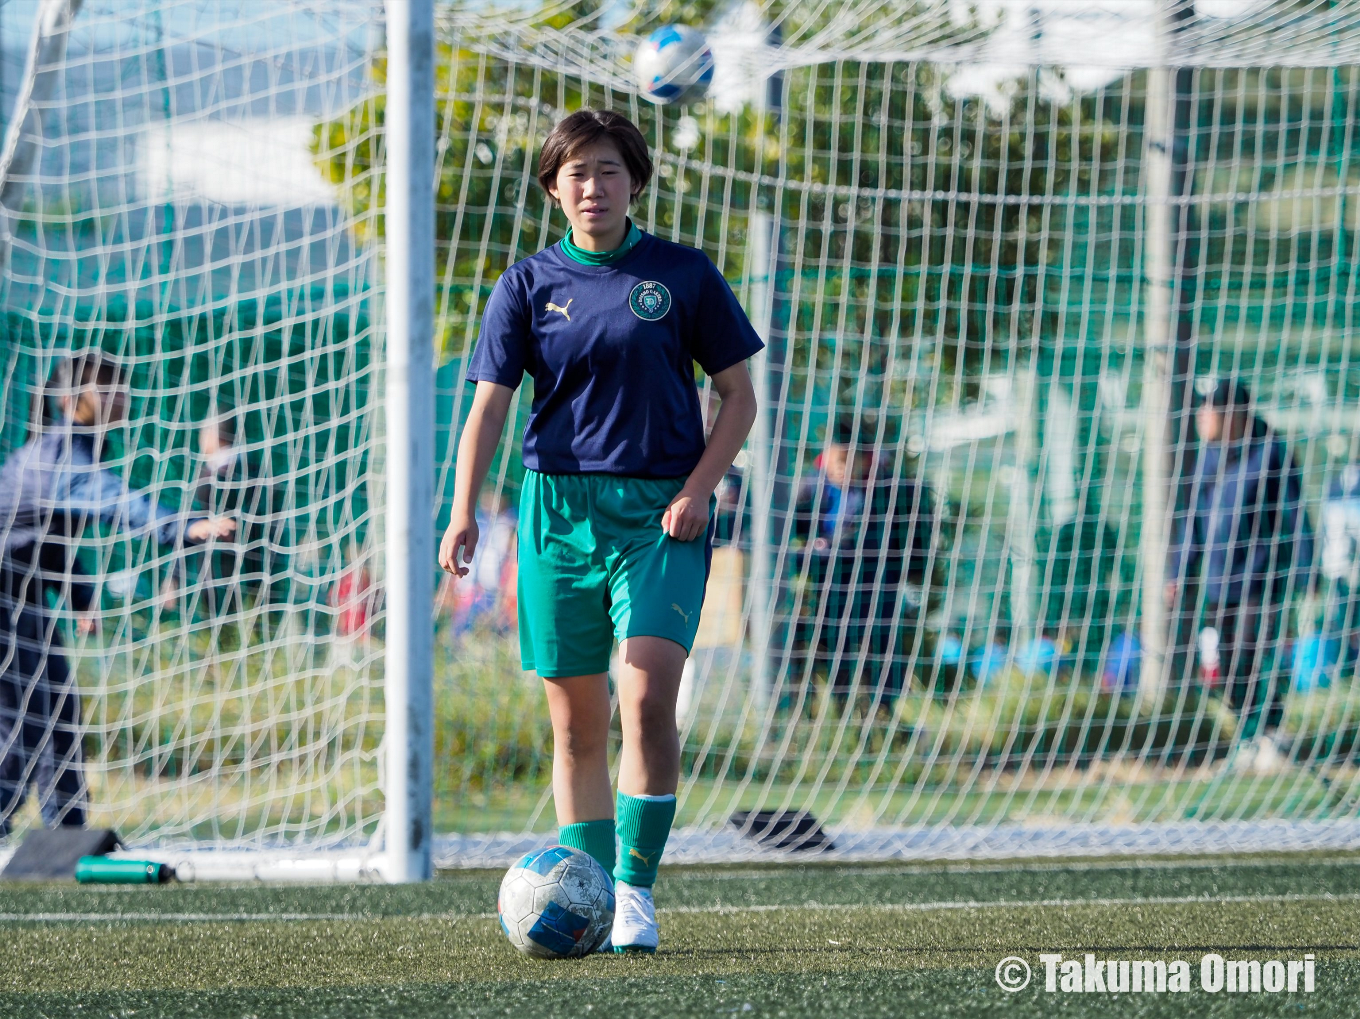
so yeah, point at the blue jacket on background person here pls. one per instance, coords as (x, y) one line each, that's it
(1246, 527)
(51, 489)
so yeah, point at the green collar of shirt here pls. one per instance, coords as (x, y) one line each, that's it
(601, 257)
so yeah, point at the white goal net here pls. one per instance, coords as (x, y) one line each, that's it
(163, 203)
(1000, 251)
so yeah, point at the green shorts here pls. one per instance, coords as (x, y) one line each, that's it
(595, 566)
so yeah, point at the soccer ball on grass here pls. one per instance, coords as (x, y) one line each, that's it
(556, 903)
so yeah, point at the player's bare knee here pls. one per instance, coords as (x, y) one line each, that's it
(646, 704)
(655, 718)
(582, 743)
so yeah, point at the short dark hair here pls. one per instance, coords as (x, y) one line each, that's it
(585, 127)
(858, 434)
(88, 367)
(1228, 394)
(71, 375)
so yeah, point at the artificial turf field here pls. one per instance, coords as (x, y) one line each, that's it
(788, 941)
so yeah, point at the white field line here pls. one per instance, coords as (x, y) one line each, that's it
(876, 907)
(181, 917)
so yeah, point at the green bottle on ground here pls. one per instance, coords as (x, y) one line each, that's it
(100, 870)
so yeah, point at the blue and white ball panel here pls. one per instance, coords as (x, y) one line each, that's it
(674, 64)
(557, 903)
(545, 860)
(558, 930)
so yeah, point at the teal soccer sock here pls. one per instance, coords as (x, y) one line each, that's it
(644, 824)
(595, 838)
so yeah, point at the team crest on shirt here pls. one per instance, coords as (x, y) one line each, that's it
(650, 301)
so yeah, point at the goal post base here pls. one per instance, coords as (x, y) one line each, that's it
(700, 846)
(267, 866)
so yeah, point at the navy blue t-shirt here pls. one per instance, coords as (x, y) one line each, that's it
(611, 349)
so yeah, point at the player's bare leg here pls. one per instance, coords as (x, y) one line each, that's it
(579, 709)
(649, 684)
(649, 770)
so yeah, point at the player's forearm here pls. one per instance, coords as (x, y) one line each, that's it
(736, 415)
(477, 445)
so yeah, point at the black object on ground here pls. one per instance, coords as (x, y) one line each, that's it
(50, 854)
(793, 830)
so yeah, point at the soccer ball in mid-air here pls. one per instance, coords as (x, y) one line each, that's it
(556, 903)
(674, 65)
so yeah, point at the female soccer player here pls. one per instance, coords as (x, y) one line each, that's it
(614, 535)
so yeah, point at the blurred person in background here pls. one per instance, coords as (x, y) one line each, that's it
(1341, 562)
(232, 483)
(480, 598)
(1245, 542)
(866, 534)
(51, 489)
(732, 521)
(354, 597)
(228, 483)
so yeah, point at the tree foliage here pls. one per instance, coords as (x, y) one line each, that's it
(909, 217)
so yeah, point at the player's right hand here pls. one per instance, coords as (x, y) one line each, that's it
(212, 527)
(461, 536)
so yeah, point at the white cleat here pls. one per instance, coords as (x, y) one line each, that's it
(634, 919)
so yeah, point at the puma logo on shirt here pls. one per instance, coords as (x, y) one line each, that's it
(683, 614)
(561, 309)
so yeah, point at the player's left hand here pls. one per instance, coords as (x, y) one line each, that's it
(686, 517)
